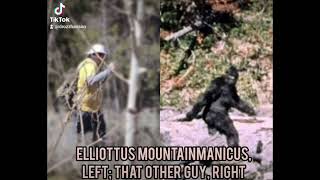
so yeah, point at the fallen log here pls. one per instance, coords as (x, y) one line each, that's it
(183, 31)
(242, 119)
(168, 108)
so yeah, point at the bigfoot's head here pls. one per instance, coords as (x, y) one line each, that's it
(232, 75)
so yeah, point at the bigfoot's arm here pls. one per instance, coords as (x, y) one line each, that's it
(245, 107)
(207, 98)
(241, 105)
(196, 108)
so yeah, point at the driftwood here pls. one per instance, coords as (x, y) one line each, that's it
(183, 31)
(168, 108)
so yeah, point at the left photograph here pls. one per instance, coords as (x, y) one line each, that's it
(103, 78)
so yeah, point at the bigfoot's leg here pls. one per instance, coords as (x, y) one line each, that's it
(225, 126)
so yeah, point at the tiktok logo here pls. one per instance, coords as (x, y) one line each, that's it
(59, 10)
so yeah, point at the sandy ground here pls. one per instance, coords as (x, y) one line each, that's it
(195, 133)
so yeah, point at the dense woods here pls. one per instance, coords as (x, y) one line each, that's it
(200, 39)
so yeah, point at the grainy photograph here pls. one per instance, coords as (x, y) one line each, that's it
(216, 77)
(103, 78)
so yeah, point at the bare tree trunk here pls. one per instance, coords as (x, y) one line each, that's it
(104, 21)
(134, 76)
(131, 104)
(138, 21)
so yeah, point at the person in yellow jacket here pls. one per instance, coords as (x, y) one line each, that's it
(89, 91)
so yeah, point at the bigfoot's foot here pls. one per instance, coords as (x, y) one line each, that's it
(212, 131)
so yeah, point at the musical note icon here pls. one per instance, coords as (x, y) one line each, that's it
(59, 10)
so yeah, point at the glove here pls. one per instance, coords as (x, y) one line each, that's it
(112, 66)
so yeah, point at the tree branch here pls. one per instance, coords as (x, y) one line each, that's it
(118, 9)
(183, 31)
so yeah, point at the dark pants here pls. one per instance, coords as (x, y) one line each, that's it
(92, 122)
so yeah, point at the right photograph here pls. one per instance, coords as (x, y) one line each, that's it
(216, 77)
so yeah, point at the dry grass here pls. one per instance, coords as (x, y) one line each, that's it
(147, 134)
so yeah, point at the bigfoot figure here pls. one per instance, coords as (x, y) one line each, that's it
(217, 100)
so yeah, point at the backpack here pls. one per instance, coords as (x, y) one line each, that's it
(67, 91)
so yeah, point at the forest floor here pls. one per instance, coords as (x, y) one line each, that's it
(248, 44)
(147, 134)
(195, 133)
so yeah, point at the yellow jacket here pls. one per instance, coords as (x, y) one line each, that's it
(89, 97)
